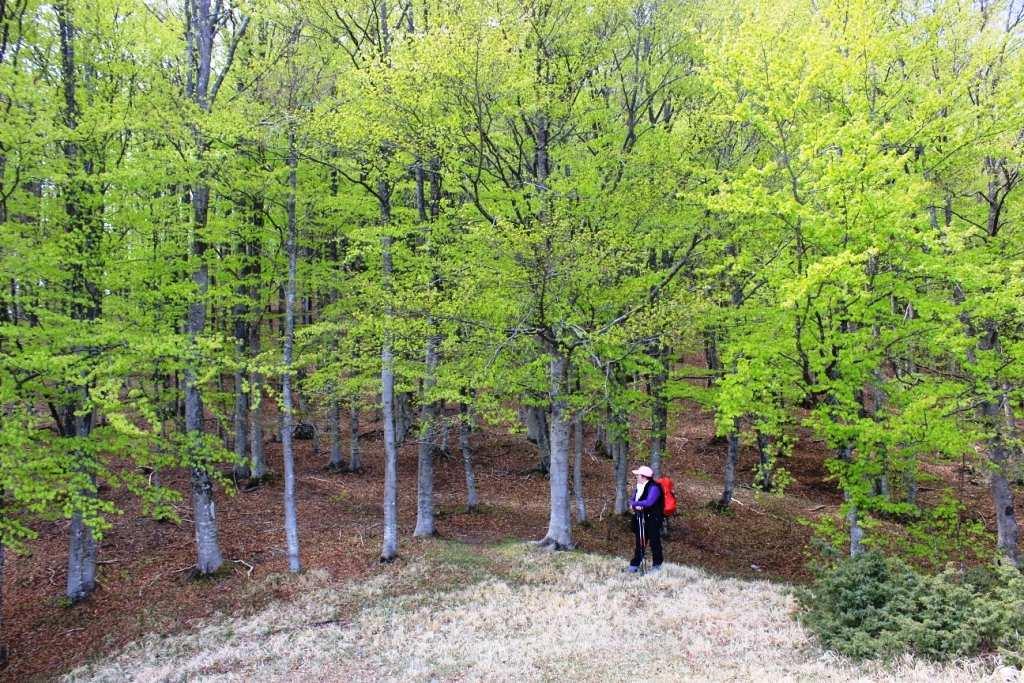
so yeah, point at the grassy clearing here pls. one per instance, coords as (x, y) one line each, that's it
(510, 612)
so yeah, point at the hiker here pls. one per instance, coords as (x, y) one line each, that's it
(648, 507)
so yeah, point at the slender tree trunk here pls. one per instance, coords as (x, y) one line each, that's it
(852, 516)
(882, 488)
(714, 362)
(764, 475)
(998, 415)
(241, 419)
(208, 555)
(389, 549)
(425, 471)
(467, 457)
(444, 426)
(355, 462)
(308, 419)
(620, 455)
(601, 447)
(732, 457)
(1007, 531)
(659, 413)
(222, 434)
(257, 460)
(291, 529)
(81, 560)
(81, 579)
(403, 413)
(910, 483)
(875, 392)
(559, 533)
(334, 420)
(305, 418)
(711, 358)
(577, 472)
(538, 431)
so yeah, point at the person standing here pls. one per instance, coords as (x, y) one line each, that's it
(648, 514)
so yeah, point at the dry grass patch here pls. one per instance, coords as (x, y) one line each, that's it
(515, 613)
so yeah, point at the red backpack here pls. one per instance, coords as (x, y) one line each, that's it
(670, 498)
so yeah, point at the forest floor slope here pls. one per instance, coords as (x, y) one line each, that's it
(512, 612)
(143, 577)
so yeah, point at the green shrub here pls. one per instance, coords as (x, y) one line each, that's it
(877, 607)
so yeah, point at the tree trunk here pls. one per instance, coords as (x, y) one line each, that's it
(81, 579)
(577, 472)
(620, 456)
(711, 358)
(998, 415)
(81, 560)
(559, 533)
(601, 448)
(445, 425)
(878, 399)
(425, 465)
(334, 420)
(291, 529)
(208, 555)
(538, 432)
(852, 516)
(241, 419)
(253, 251)
(732, 457)
(659, 413)
(82, 546)
(882, 488)
(910, 483)
(1007, 531)
(222, 434)
(467, 457)
(355, 462)
(257, 460)
(765, 465)
(403, 415)
(389, 548)
(304, 421)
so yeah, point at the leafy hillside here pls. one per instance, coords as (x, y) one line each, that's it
(510, 612)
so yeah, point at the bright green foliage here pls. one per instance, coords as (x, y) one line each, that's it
(84, 321)
(840, 272)
(819, 198)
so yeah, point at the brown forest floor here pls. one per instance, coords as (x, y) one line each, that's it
(143, 583)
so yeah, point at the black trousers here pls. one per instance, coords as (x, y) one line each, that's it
(652, 534)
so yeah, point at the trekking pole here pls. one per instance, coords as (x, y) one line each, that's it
(643, 541)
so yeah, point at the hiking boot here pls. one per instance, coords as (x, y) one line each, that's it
(656, 568)
(632, 569)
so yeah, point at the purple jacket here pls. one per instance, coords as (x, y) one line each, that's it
(652, 492)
